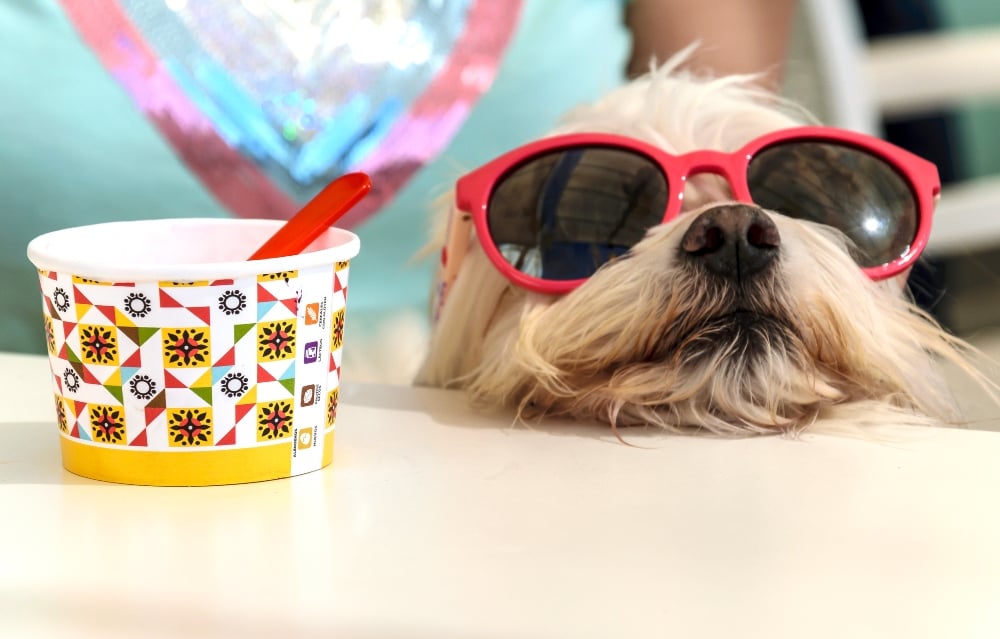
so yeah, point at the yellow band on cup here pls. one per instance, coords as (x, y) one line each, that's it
(183, 468)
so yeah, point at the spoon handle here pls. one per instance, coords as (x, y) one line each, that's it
(317, 216)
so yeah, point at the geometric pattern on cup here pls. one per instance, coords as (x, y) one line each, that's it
(129, 358)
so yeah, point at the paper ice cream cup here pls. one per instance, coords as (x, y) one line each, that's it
(177, 362)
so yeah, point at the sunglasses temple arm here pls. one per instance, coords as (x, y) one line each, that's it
(452, 255)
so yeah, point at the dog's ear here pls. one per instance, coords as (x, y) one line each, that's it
(462, 324)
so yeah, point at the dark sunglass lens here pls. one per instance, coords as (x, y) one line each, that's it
(562, 215)
(843, 187)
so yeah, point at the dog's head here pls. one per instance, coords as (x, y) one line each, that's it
(728, 317)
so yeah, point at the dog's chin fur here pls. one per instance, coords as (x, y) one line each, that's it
(652, 340)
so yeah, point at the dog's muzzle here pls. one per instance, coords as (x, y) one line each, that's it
(734, 241)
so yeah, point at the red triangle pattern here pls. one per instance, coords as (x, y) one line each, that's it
(153, 413)
(79, 407)
(168, 302)
(140, 439)
(79, 297)
(68, 328)
(229, 359)
(228, 439)
(89, 377)
(107, 311)
(53, 275)
(264, 376)
(62, 352)
(75, 432)
(228, 282)
(204, 313)
(133, 361)
(172, 382)
(242, 410)
(123, 284)
(337, 286)
(264, 295)
(291, 304)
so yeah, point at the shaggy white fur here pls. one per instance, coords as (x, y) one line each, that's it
(648, 341)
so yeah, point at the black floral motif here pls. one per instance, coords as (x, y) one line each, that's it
(189, 426)
(274, 420)
(60, 299)
(338, 330)
(234, 384)
(276, 340)
(142, 386)
(331, 406)
(232, 302)
(61, 414)
(107, 424)
(71, 380)
(50, 335)
(186, 347)
(98, 344)
(137, 305)
(281, 275)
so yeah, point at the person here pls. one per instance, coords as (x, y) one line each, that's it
(736, 36)
(84, 141)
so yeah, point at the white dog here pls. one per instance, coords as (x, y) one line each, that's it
(624, 281)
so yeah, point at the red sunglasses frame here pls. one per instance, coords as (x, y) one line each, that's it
(473, 191)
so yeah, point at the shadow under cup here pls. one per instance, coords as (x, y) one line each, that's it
(177, 362)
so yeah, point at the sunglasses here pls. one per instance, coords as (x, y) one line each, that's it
(550, 213)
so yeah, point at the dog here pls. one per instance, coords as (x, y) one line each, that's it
(740, 314)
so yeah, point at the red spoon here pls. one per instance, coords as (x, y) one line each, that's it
(319, 214)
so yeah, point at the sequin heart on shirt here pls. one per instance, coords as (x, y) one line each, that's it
(266, 101)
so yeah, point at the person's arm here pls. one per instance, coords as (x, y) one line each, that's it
(737, 36)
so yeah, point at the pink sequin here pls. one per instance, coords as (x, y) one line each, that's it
(414, 139)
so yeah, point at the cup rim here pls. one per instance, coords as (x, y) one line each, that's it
(41, 253)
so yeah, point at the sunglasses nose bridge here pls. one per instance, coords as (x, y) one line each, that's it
(728, 166)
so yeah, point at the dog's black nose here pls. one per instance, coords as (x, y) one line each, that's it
(735, 241)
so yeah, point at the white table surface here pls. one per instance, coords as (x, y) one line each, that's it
(438, 522)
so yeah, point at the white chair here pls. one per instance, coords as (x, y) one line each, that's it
(859, 82)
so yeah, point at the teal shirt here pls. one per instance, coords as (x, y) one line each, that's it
(75, 150)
